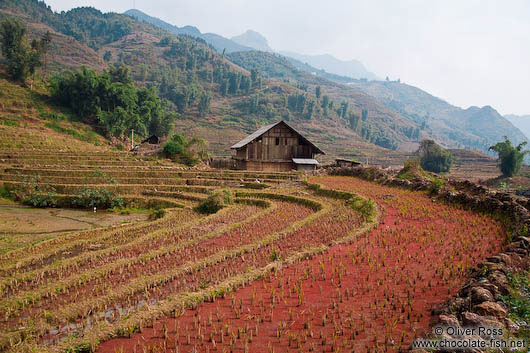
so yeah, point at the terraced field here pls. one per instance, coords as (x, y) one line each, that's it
(154, 280)
(79, 287)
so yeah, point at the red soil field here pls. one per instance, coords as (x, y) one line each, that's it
(374, 294)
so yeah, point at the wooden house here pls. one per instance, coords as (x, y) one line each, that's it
(276, 147)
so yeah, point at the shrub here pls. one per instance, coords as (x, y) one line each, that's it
(156, 213)
(185, 151)
(412, 170)
(215, 202)
(364, 206)
(436, 185)
(434, 158)
(41, 200)
(172, 149)
(4, 193)
(97, 197)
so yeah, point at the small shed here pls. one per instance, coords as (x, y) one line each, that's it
(276, 147)
(153, 140)
(341, 162)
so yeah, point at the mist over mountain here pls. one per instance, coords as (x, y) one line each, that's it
(253, 40)
(475, 127)
(351, 68)
(219, 42)
(222, 97)
(522, 122)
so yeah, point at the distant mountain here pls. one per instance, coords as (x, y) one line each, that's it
(351, 68)
(360, 118)
(522, 122)
(220, 43)
(143, 17)
(475, 127)
(253, 40)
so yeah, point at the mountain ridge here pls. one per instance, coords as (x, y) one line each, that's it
(350, 68)
(253, 40)
(351, 120)
(522, 122)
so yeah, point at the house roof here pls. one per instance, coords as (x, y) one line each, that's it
(305, 161)
(266, 128)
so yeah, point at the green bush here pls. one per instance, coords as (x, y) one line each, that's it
(215, 202)
(412, 170)
(156, 213)
(364, 206)
(97, 197)
(180, 149)
(41, 200)
(4, 193)
(436, 185)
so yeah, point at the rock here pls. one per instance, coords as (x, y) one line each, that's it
(524, 240)
(490, 267)
(491, 309)
(480, 295)
(475, 320)
(495, 259)
(449, 320)
(505, 259)
(500, 280)
(512, 326)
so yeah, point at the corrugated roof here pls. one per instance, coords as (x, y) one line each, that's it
(266, 128)
(254, 135)
(305, 161)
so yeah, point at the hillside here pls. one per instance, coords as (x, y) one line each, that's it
(218, 42)
(28, 122)
(182, 69)
(476, 128)
(224, 97)
(522, 122)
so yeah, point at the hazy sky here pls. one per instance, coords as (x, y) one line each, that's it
(468, 52)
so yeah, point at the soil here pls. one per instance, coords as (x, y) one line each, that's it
(21, 226)
(375, 294)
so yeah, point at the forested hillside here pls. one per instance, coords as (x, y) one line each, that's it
(476, 128)
(223, 97)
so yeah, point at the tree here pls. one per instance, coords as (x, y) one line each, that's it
(364, 113)
(107, 56)
(310, 107)
(33, 59)
(204, 104)
(16, 51)
(510, 157)
(433, 157)
(318, 92)
(110, 101)
(44, 47)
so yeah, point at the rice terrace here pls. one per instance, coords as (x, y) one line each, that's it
(290, 264)
(165, 190)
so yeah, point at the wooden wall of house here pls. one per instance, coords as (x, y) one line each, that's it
(279, 143)
(268, 166)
